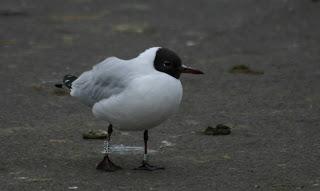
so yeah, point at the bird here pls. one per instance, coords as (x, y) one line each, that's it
(131, 95)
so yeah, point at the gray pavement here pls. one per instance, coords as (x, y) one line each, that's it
(275, 139)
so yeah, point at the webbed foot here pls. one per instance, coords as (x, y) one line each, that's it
(107, 165)
(146, 166)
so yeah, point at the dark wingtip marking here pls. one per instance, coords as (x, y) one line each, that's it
(68, 79)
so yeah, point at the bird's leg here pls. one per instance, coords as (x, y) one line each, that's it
(145, 165)
(106, 164)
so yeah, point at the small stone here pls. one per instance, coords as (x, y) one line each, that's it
(22, 178)
(243, 69)
(165, 143)
(134, 28)
(98, 134)
(220, 129)
(190, 43)
(73, 187)
(226, 156)
(7, 42)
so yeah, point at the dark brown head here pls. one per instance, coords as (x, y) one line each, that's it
(169, 62)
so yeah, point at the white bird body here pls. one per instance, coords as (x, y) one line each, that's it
(132, 95)
(146, 102)
(129, 94)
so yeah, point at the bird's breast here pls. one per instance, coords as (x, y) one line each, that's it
(145, 103)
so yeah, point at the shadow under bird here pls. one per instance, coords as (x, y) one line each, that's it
(132, 95)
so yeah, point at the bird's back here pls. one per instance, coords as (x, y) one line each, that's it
(104, 80)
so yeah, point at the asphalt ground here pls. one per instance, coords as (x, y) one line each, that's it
(273, 113)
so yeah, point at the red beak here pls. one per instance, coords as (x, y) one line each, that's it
(186, 69)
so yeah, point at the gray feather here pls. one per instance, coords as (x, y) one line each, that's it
(106, 79)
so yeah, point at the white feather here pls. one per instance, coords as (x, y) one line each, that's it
(130, 94)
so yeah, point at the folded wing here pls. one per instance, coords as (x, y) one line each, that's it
(106, 79)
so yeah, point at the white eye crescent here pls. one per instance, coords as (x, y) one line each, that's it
(167, 63)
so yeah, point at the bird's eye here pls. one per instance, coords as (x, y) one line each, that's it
(167, 63)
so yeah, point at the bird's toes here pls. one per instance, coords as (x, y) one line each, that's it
(146, 166)
(107, 165)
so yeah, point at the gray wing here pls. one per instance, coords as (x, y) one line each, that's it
(104, 80)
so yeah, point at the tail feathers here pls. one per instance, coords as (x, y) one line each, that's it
(67, 81)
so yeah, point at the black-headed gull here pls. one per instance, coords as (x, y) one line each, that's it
(132, 95)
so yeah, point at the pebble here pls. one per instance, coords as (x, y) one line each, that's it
(220, 129)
